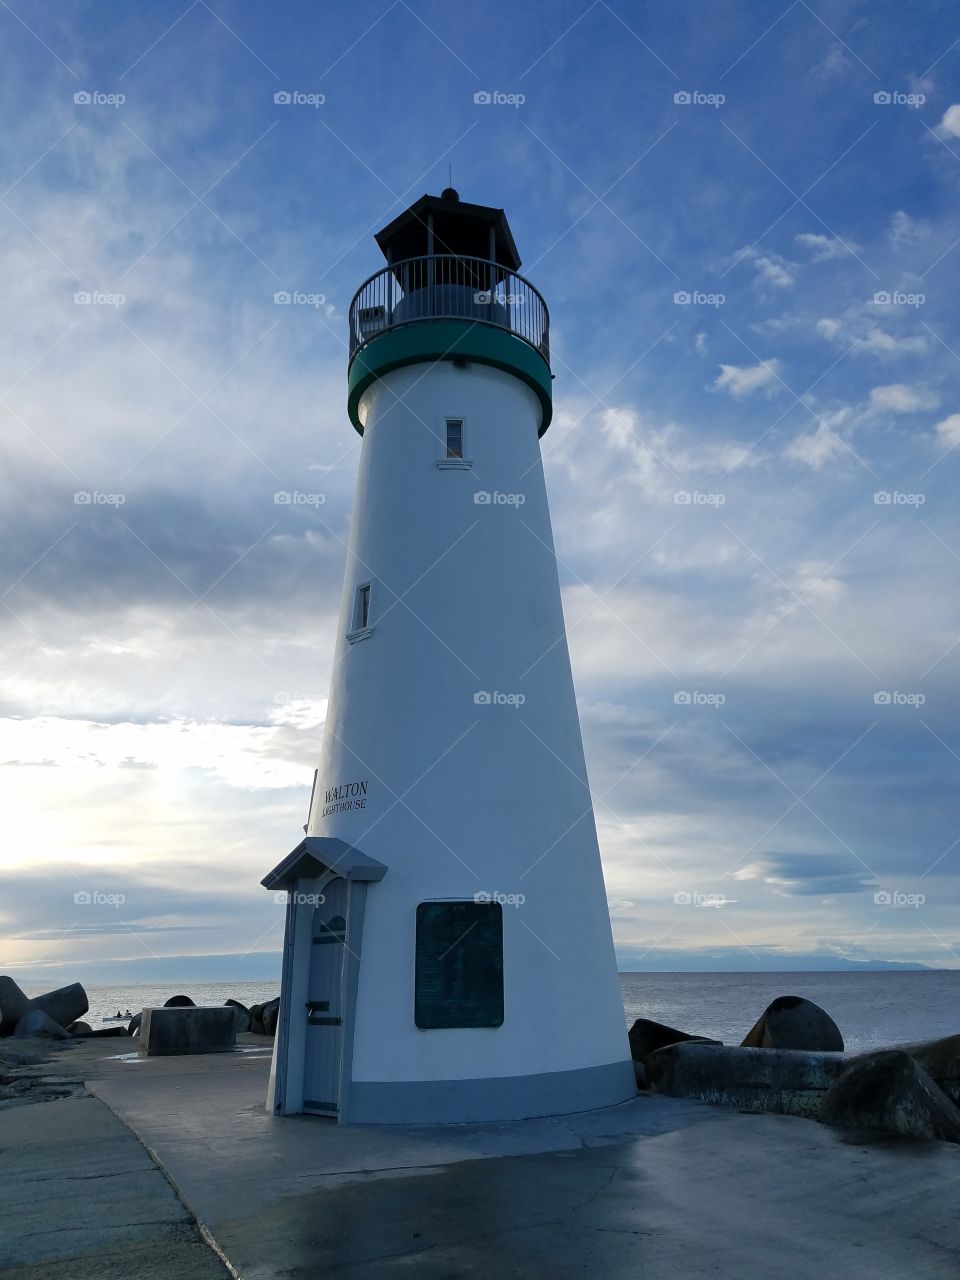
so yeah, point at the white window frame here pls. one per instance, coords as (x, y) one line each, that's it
(454, 464)
(359, 630)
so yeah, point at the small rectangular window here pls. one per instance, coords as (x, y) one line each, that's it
(454, 437)
(361, 618)
(459, 965)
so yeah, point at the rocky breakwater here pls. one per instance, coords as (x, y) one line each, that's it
(792, 1062)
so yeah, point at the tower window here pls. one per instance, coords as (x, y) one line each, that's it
(361, 609)
(454, 437)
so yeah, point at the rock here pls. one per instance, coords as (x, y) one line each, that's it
(80, 1029)
(65, 1005)
(791, 1022)
(36, 1023)
(242, 1014)
(270, 1015)
(107, 1033)
(13, 1005)
(785, 1081)
(889, 1092)
(940, 1059)
(646, 1037)
(179, 1002)
(256, 1020)
(133, 1026)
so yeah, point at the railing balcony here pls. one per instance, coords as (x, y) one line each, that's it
(448, 287)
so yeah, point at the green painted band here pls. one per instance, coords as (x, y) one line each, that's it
(425, 340)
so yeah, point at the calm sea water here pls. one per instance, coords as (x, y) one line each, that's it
(870, 1009)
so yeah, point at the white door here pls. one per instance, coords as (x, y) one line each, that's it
(324, 1011)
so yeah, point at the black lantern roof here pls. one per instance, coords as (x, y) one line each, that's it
(445, 224)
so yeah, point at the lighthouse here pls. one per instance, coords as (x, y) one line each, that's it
(448, 954)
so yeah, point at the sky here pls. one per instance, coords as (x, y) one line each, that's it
(745, 221)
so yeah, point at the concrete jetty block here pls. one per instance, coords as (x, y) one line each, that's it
(200, 1029)
(786, 1081)
(36, 1023)
(14, 1003)
(65, 1005)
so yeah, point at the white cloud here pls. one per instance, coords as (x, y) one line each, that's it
(700, 344)
(817, 448)
(743, 381)
(240, 754)
(898, 397)
(771, 268)
(874, 341)
(949, 126)
(948, 431)
(905, 231)
(823, 248)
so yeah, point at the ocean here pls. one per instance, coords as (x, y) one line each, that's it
(871, 1008)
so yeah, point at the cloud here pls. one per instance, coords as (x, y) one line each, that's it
(871, 342)
(949, 126)
(817, 448)
(825, 248)
(808, 874)
(700, 344)
(948, 431)
(241, 755)
(743, 381)
(906, 231)
(898, 397)
(771, 268)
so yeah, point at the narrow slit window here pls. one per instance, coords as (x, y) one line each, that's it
(361, 618)
(454, 437)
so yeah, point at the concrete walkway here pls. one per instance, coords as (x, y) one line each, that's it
(80, 1197)
(691, 1190)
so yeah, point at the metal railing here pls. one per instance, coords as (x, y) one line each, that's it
(448, 287)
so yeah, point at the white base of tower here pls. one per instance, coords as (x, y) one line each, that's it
(553, 1093)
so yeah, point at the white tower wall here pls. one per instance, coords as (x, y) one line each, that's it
(463, 798)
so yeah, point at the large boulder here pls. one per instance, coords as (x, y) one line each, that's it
(179, 1002)
(270, 1015)
(790, 1022)
(786, 1081)
(133, 1026)
(889, 1092)
(242, 1014)
(80, 1029)
(37, 1024)
(14, 1003)
(256, 1020)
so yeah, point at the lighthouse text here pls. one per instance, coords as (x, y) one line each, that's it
(348, 795)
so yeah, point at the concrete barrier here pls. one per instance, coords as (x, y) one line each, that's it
(789, 1082)
(199, 1029)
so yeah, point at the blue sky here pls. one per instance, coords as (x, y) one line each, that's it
(751, 263)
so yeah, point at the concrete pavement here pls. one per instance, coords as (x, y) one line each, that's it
(80, 1197)
(693, 1190)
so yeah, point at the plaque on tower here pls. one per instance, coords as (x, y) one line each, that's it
(459, 970)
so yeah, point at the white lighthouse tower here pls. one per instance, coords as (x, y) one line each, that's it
(448, 954)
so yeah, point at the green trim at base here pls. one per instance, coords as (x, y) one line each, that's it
(426, 340)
